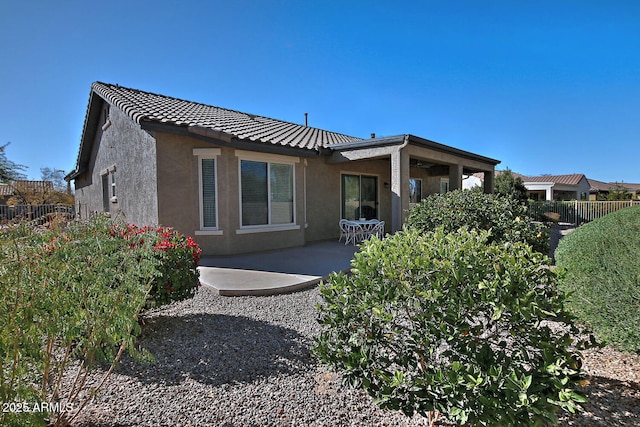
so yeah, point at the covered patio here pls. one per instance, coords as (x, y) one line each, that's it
(413, 158)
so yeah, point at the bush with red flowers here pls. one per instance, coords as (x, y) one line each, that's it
(177, 256)
(76, 293)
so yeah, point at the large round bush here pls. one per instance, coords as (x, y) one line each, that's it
(601, 261)
(448, 323)
(507, 218)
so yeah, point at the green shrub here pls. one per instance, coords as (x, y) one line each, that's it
(447, 323)
(601, 260)
(75, 294)
(177, 276)
(505, 217)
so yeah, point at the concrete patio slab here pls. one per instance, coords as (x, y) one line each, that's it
(275, 272)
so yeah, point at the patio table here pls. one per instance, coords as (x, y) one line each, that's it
(356, 231)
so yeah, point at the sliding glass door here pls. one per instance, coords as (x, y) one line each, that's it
(359, 196)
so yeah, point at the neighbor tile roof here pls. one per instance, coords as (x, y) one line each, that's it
(571, 179)
(150, 107)
(38, 186)
(6, 190)
(607, 186)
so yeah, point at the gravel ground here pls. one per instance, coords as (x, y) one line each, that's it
(245, 362)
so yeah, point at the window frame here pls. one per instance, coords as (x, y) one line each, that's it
(207, 154)
(444, 182)
(269, 159)
(360, 175)
(108, 184)
(417, 180)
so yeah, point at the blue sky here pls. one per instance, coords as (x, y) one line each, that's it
(547, 87)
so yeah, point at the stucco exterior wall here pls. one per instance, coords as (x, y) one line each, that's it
(317, 196)
(179, 198)
(324, 200)
(130, 154)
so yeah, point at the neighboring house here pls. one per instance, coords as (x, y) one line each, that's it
(239, 182)
(557, 187)
(24, 199)
(600, 190)
(25, 192)
(474, 180)
(6, 191)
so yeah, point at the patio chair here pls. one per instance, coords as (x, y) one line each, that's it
(354, 233)
(378, 230)
(343, 229)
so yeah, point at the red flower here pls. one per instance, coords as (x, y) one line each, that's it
(164, 246)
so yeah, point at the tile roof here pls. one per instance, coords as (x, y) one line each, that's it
(6, 190)
(571, 179)
(607, 186)
(37, 186)
(150, 107)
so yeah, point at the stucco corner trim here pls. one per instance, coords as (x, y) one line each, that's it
(268, 229)
(208, 232)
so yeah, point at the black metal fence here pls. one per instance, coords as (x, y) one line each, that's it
(576, 212)
(9, 213)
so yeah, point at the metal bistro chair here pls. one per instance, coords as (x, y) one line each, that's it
(378, 230)
(354, 233)
(343, 230)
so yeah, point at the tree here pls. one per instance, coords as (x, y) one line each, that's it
(52, 190)
(619, 192)
(507, 184)
(56, 176)
(9, 171)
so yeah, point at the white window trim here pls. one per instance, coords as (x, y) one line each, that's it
(110, 173)
(249, 229)
(266, 158)
(208, 232)
(207, 153)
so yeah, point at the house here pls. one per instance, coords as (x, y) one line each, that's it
(600, 190)
(240, 182)
(557, 187)
(25, 192)
(474, 180)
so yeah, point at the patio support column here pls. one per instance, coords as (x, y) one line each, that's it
(488, 181)
(399, 188)
(455, 177)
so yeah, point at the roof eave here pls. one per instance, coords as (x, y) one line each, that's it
(89, 128)
(414, 140)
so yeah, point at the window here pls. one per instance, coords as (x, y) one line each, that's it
(267, 193)
(415, 190)
(208, 193)
(208, 186)
(108, 178)
(444, 185)
(113, 183)
(105, 192)
(359, 196)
